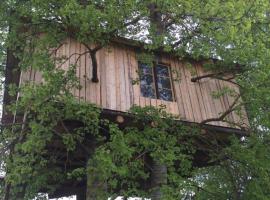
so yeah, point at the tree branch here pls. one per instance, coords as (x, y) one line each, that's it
(197, 78)
(69, 57)
(94, 60)
(78, 142)
(216, 76)
(228, 111)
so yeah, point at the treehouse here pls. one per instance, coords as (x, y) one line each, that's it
(120, 80)
(181, 86)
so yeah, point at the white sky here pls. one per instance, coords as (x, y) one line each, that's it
(74, 198)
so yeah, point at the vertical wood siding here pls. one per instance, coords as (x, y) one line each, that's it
(117, 70)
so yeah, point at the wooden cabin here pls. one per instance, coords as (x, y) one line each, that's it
(124, 82)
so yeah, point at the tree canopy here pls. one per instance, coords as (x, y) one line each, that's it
(233, 33)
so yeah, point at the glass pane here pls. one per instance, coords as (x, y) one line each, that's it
(147, 80)
(145, 69)
(147, 91)
(147, 86)
(165, 94)
(163, 82)
(162, 70)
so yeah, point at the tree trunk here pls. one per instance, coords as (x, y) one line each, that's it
(156, 19)
(96, 189)
(81, 197)
(95, 185)
(158, 178)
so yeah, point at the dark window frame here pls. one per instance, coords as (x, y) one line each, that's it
(155, 81)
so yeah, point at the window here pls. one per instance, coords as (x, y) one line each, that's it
(155, 81)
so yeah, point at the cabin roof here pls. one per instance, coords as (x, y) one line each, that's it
(140, 46)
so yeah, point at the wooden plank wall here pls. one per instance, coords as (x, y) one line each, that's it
(117, 69)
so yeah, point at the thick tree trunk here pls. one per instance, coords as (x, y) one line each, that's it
(156, 19)
(81, 197)
(158, 178)
(96, 189)
(95, 185)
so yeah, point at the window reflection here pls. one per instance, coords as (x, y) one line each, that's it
(165, 94)
(145, 69)
(147, 81)
(162, 70)
(155, 81)
(164, 82)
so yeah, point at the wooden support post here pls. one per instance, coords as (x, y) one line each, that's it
(120, 119)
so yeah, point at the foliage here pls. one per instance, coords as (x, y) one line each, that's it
(29, 164)
(235, 32)
(124, 161)
(243, 174)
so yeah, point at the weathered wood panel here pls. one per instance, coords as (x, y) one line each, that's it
(117, 72)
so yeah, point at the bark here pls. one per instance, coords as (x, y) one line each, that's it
(156, 19)
(96, 184)
(94, 66)
(93, 53)
(158, 178)
(95, 189)
(12, 74)
(80, 197)
(224, 115)
(7, 191)
(159, 171)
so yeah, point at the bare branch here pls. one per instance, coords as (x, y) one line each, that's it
(218, 76)
(94, 60)
(222, 117)
(197, 78)
(70, 56)
(67, 131)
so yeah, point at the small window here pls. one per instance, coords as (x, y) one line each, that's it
(155, 81)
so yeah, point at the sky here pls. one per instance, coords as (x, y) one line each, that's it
(74, 198)
(66, 198)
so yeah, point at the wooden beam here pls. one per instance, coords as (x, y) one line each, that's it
(120, 119)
